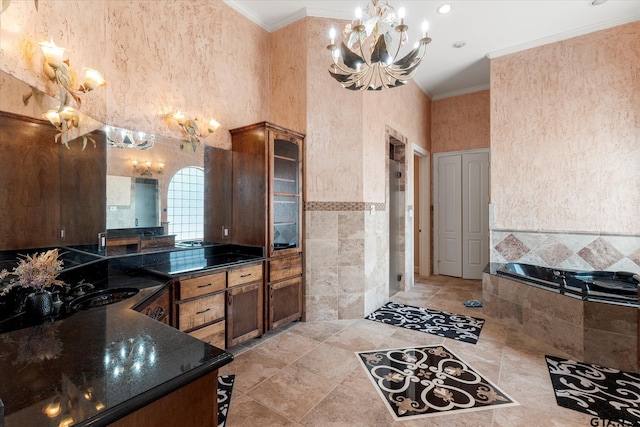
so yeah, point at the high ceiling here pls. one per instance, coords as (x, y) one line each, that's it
(489, 29)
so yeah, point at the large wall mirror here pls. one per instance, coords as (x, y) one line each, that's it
(54, 196)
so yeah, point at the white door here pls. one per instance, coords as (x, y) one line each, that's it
(463, 214)
(450, 215)
(475, 214)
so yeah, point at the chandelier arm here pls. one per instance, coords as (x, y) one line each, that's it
(362, 55)
(399, 45)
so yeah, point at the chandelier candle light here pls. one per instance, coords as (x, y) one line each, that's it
(366, 62)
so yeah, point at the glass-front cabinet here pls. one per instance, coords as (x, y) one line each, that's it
(286, 195)
(267, 211)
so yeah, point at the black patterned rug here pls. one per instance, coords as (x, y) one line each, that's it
(606, 393)
(425, 381)
(455, 326)
(225, 387)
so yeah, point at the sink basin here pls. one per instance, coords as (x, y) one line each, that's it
(102, 297)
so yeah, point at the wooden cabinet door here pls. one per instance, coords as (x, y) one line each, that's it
(244, 313)
(158, 307)
(285, 302)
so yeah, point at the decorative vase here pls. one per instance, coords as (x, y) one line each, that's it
(39, 304)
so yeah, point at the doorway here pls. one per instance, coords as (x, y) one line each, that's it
(461, 222)
(146, 205)
(400, 278)
(422, 246)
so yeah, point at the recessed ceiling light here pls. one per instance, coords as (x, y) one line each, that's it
(597, 2)
(447, 8)
(459, 44)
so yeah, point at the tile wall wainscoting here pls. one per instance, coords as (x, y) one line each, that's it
(346, 262)
(573, 251)
(593, 332)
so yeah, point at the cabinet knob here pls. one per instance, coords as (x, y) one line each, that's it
(204, 286)
(203, 311)
(245, 275)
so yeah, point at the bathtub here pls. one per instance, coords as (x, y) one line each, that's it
(602, 286)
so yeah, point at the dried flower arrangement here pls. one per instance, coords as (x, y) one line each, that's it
(38, 271)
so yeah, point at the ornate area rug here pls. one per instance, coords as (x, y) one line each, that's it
(606, 393)
(456, 326)
(425, 381)
(225, 387)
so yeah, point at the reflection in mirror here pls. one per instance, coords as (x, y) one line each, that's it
(54, 196)
(138, 186)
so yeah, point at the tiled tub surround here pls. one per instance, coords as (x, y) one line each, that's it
(593, 332)
(567, 251)
(346, 263)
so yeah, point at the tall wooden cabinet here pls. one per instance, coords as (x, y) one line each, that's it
(267, 210)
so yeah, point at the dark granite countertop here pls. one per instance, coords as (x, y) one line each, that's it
(101, 364)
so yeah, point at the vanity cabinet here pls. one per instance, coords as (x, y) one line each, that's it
(284, 291)
(267, 206)
(158, 307)
(244, 303)
(223, 308)
(200, 306)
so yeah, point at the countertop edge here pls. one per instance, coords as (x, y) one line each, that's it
(125, 408)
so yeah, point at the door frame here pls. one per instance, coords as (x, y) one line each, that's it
(425, 208)
(436, 159)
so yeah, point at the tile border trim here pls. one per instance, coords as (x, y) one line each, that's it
(343, 206)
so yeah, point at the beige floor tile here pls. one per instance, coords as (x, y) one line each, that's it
(320, 331)
(345, 408)
(286, 346)
(292, 391)
(523, 416)
(362, 335)
(246, 412)
(469, 419)
(328, 361)
(307, 374)
(251, 368)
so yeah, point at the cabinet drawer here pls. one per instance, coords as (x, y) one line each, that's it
(283, 268)
(194, 287)
(197, 312)
(212, 334)
(245, 274)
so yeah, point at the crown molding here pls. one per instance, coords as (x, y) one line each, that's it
(563, 36)
(460, 92)
(248, 13)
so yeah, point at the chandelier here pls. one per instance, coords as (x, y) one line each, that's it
(367, 63)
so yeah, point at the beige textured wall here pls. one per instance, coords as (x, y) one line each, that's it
(335, 121)
(288, 74)
(461, 122)
(565, 135)
(198, 56)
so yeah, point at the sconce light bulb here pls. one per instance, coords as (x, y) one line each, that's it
(358, 13)
(179, 117)
(147, 164)
(67, 113)
(213, 125)
(52, 53)
(93, 79)
(161, 165)
(134, 163)
(53, 117)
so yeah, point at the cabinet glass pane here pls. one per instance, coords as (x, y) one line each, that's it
(285, 221)
(285, 170)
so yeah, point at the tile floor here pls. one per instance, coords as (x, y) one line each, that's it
(306, 374)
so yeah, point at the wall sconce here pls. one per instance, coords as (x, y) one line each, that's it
(124, 138)
(65, 117)
(145, 170)
(195, 129)
(59, 72)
